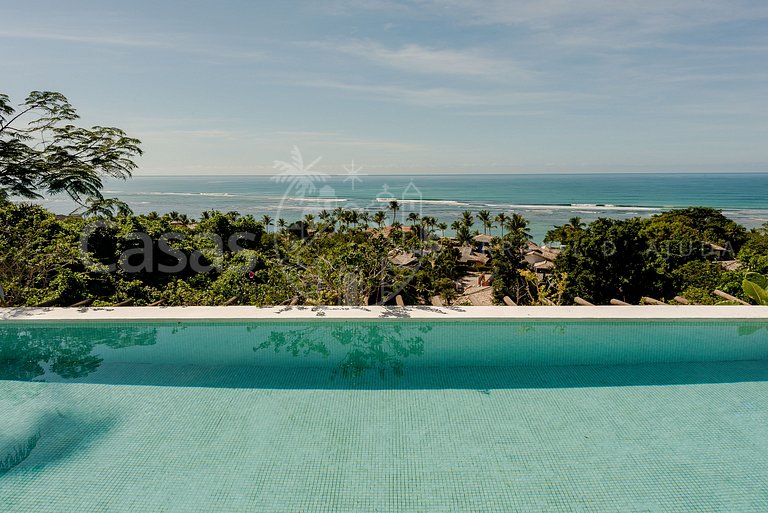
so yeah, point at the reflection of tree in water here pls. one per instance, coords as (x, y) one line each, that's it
(381, 347)
(747, 329)
(68, 351)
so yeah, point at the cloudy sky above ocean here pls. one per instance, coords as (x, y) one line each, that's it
(408, 86)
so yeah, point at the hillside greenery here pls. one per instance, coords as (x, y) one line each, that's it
(336, 262)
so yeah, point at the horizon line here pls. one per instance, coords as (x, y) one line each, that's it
(458, 173)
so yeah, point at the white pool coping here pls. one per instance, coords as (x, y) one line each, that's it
(213, 313)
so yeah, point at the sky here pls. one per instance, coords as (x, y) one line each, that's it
(420, 86)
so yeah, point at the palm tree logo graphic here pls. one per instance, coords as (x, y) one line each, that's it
(301, 178)
(353, 174)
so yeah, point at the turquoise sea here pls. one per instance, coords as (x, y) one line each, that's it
(544, 199)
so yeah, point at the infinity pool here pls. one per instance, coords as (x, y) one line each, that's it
(384, 415)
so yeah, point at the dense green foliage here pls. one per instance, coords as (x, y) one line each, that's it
(754, 252)
(340, 260)
(42, 152)
(41, 261)
(510, 272)
(755, 286)
(674, 253)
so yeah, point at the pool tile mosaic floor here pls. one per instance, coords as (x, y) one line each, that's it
(571, 447)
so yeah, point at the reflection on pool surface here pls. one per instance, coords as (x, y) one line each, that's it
(340, 354)
(384, 416)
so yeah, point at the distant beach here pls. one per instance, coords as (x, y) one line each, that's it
(545, 200)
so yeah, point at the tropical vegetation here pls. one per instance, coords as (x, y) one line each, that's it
(103, 254)
(339, 258)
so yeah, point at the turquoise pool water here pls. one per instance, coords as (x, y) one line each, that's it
(393, 415)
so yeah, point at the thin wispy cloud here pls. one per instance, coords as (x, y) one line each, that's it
(582, 23)
(419, 59)
(110, 40)
(180, 43)
(283, 139)
(433, 97)
(436, 97)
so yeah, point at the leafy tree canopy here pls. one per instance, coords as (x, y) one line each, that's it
(754, 252)
(43, 152)
(661, 257)
(696, 224)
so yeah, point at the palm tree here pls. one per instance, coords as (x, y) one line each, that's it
(485, 217)
(309, 220)
(354, 217)
(433, 222)
(325, 221)
(563, 233)
(427, 224)
(266, 220)
(413, 217)
(394, 206)
(467, 218)
(442, 227)
(281, 224)
(337, 213)
(519, 224)
(502, 219)
(345, 219)
(364, 218)
(575, 224)
(463, 235)
(379, 218)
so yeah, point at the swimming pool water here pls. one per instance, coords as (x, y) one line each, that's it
(397, 415)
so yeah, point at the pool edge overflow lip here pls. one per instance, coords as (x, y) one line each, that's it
(213, 313)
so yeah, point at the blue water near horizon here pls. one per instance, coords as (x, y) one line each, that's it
(545, 200)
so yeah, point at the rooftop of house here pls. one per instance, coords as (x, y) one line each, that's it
(483, 238)
(467, 255)
(403, 259)
(547, 253)
(730, 265)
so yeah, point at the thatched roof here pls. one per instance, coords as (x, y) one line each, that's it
(530, 246)
(182, 224)
(548, 254)
(483, 238)
(717, 247)
(387, 230)
(403, 259)
(730, 265)
(467, 255)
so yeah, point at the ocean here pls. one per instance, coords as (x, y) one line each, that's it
(545, 200)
